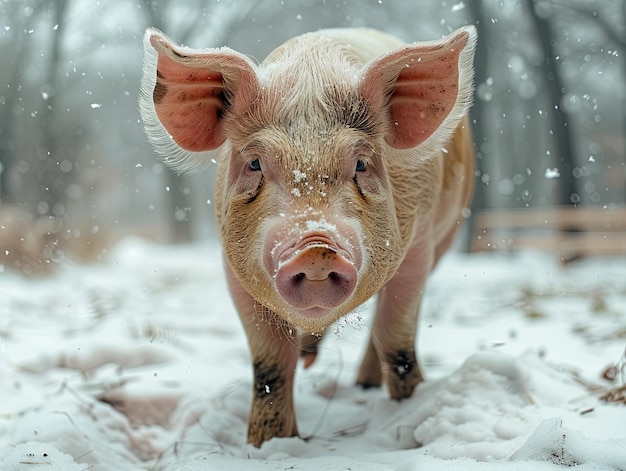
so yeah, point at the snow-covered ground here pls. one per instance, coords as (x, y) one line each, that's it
(140, 363)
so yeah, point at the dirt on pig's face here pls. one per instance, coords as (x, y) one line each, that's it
(307, 219)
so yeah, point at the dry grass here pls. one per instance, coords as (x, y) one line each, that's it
(611, 393)
(28, 244)
(35, 245)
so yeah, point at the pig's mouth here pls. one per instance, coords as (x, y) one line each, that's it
(315, 275)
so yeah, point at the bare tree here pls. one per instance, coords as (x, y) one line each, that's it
(616, 36)
(51, 178)
(563, 137)
(478, 112)
(16, 51)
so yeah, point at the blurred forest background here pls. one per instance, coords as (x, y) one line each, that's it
(76, 169)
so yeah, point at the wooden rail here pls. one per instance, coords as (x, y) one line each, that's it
(569, 232)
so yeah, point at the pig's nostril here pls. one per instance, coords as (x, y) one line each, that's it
(316, 278)
(333, 276)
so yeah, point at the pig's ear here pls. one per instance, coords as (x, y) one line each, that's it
(426, 88)
(185, 94)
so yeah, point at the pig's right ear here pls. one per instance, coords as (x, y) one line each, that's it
(184, 95)
(425, 89)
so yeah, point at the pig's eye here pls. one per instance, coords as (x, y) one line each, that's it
(360, 166)
(255, 165)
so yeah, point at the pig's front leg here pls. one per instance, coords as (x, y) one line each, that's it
(390, 354)
(274, 352)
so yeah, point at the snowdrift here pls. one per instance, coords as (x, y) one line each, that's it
(140, 363)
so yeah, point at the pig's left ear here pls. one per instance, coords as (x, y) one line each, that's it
(427, 88)
(185, 94)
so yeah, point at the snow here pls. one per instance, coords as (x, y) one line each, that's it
(321, 225)
(552, 173)
(140, 363)
(34, 454)
(298, 176)
(457, 7)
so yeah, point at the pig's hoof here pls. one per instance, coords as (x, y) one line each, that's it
(271, 427)
(368, 385)
(370, 379)
(308, 358)
(370, 374)
(403, 374)
(402, 389)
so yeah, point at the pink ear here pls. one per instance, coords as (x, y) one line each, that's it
(193, 88)
(424, 85)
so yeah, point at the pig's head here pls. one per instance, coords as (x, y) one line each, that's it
(309, 144)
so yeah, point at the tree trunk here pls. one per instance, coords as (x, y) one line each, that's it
(617, 36)
(478, 115)
(51, 179)
(8, 121)
(563, 137)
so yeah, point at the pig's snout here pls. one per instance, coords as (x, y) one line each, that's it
(315, 279)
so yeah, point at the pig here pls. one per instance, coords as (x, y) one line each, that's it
(344, 163)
